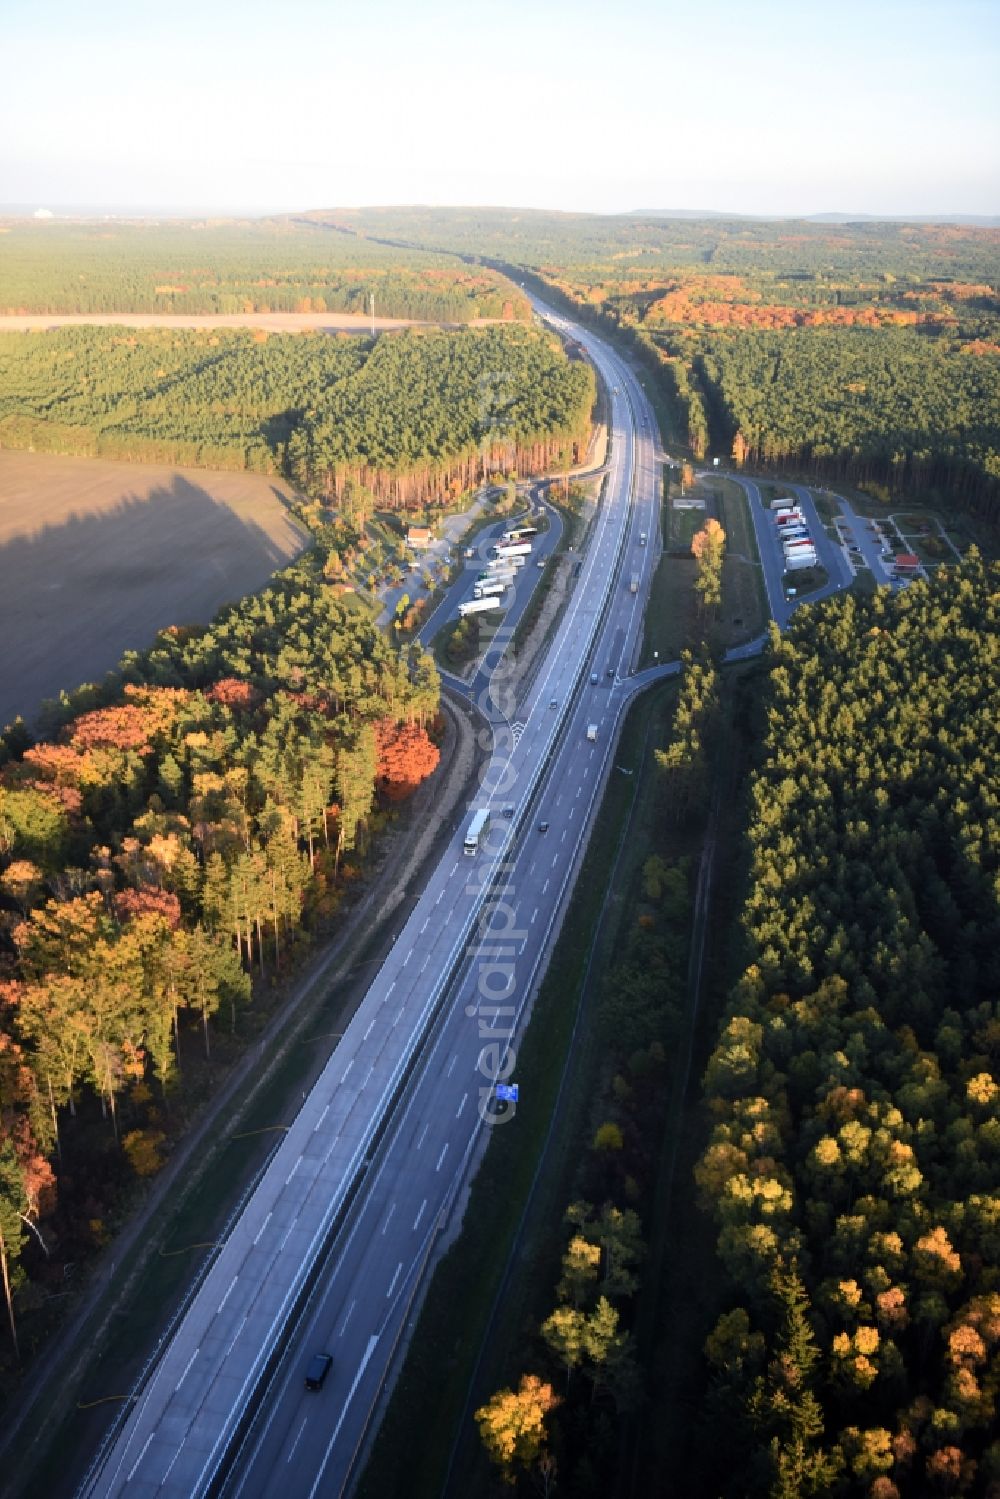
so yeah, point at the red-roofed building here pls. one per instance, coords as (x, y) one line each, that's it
(907, 562)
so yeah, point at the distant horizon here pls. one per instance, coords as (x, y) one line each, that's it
(40, 211)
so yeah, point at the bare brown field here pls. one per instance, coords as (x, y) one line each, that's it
(96, 557)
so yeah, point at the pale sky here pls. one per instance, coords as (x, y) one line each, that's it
(766, 106)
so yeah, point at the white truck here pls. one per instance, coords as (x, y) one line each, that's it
(799, 560)
(784, 504)
(490, 589)
(478, 606)
(477, 830)
(511, 549)
(592, 732)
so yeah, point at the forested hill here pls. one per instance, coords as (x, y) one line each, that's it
(634, 243)
(418, 413)
(854, 1164)
(229, 266)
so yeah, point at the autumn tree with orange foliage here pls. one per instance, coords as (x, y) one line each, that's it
(708, 547)
(173, 838)
(406, 756)
(512, 1424)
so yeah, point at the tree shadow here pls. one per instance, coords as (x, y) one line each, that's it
(75, 595)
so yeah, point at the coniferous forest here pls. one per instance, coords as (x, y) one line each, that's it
(859, 352)
(854, 1160)
(224, 266)
(412, 415)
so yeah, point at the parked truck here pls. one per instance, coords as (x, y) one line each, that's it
(787, 518)
(478, 606)
(785, 504)
(799, 560)
(511, 549)
(491, 589)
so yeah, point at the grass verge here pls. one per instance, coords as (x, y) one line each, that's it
(682, 525)
(670, 622)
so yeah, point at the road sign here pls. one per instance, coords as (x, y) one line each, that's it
(507, 1092)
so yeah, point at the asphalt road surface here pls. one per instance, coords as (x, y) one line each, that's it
(329, 1251)
(526, 578)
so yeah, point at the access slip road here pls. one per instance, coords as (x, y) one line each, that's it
(329, 1251)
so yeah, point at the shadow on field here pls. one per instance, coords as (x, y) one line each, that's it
(75, 596)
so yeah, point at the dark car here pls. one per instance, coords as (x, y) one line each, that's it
(319, 1368)
(543, 827)
(508, 811)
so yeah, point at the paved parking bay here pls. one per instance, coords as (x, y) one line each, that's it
(829, 554)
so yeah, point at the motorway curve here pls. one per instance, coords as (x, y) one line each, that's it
(329, 1251)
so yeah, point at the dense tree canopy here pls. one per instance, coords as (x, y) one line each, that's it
(412, 416)
(229, 267)
(167, 842)
(631, 243)
(891, 407)
(432, 411)
(855, 1159)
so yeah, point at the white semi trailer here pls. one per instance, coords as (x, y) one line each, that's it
(478, 606)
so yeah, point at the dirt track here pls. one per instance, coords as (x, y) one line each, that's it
(277, 322)
(96, 557)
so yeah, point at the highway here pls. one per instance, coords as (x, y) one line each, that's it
(329, 1251)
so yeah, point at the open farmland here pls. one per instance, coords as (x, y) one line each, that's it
(95, 557)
